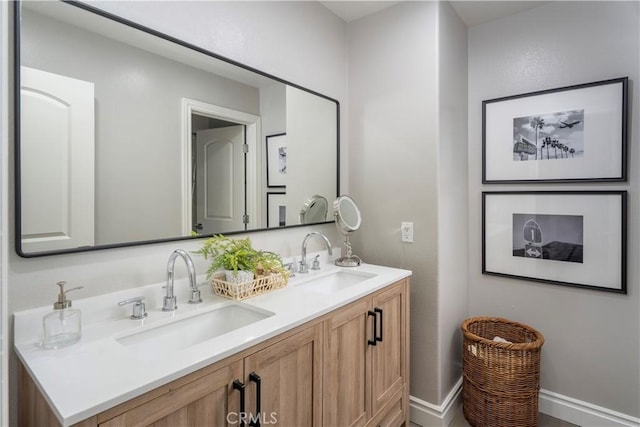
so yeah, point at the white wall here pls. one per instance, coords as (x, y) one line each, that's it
(255, 33)
(592, 343)
(453, 212)
(273, 106)
(393, 85)
(408, 98)
(310, 140)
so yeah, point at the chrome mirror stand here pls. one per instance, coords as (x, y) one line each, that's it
(348, 219)
(349, 260)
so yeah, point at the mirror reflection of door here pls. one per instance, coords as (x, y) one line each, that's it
(57, 164)
(219, 204)
(128, 186)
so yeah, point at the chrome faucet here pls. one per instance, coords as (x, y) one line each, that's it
(304, 268)
(169, 302)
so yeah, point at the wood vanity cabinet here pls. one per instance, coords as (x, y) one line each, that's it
(288, 368)
(326, 372)
(282, 383)
(366, 361)
(206, 400)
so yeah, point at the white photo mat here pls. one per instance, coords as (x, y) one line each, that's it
(604, 136)
(603, 261)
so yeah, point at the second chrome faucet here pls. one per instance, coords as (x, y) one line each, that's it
(170, 301)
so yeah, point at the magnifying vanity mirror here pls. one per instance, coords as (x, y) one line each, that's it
(348, 219)
(314, 210)
(126, 136)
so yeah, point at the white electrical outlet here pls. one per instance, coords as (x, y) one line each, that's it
(406, 230)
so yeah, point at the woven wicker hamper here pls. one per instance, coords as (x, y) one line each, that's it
(501, 380)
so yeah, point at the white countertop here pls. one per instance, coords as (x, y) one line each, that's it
(99, 373)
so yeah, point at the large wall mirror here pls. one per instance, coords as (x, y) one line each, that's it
(126, 136)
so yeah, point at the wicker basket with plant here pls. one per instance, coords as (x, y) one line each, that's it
(239, 271)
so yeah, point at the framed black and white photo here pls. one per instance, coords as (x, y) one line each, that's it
(276, 210)
(571, 238)
(574, 133)
(276, 160)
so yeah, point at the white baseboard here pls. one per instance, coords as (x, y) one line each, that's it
(582, 413)
(565, 408)
(427, 414)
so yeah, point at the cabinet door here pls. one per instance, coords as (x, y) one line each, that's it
(290, 378)
(346, 391)
(388, 372)
(206, 401)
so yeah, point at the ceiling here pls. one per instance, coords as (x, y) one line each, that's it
(472, 13)
(352, 10)
(478, 12)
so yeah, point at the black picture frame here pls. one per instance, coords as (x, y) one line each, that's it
(276, 157)
(579, 134)
(569, 238)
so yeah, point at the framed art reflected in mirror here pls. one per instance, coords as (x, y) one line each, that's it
(142, 167)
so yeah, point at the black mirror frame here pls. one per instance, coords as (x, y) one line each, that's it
(16, 121)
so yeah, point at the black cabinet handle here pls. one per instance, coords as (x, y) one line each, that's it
(237, 385)
(379, 310)
(255, 422)
(375, 325)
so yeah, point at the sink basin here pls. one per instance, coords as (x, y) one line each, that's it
(193, 330)
(335, 281)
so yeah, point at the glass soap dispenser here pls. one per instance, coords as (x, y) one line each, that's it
(62, 327)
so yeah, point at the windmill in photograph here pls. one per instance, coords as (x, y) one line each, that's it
(555, 136)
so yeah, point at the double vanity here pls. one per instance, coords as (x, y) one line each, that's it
(330, 348)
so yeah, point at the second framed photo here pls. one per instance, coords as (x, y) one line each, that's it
(574, 133)
(566, 238)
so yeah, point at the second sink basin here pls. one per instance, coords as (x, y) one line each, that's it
(335, 281)
(193, 330)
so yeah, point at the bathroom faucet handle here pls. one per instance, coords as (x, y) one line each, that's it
(196, 297)
(291, 268)
(139, 308)
(169, 303)
(316, 263)
(304, 268)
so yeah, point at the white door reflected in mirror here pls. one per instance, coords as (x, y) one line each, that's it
(219, 186)
(147, 91)
(57, 161)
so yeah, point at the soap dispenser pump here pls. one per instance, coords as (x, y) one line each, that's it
(62, 327)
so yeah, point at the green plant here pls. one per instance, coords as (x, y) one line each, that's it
(268, 262)
(238, 254)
